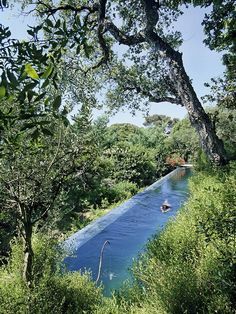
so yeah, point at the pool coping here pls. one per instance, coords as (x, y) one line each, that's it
(82, 236)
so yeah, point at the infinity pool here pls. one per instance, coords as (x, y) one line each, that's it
(127, 228)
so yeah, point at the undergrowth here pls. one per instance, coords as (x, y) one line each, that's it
(190, 267)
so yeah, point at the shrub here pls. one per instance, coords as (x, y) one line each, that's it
(174, 160)
(190, 267)
(133, 163)
(52, 292)
(123, 190)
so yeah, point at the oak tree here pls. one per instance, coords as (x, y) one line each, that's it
(156, 72)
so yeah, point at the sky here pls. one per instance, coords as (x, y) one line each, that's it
(200, 62)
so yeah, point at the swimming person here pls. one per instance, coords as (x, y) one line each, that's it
(165, 206)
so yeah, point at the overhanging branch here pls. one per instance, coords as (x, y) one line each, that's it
(153, 98)
(50, 10)
(151, 8)
(100, 33)
(121, 37)
(171, 100)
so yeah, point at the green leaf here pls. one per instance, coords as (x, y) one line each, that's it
(30, 95)
(46, 131)
(2, 91)
(30, 32)
(64, 111)
(72, 45)
(12, 78)
(78, 49)
(47, 72)
(30, 86)
(3, 80)
(10, 98)
(49, 23)
(56, 103)
(46, 101)
(58, 23)
(46, 29)
(59, 32)
(45, 83)
(55, 83)
(87, 49)
(28, 126)
(78, 20)
(31, 72)
(38, 28)
(40, 97)
(64, 27)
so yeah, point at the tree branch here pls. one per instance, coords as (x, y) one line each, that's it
(56, 153)
(100, 33)
(151, 8)
(153, 98)
(68, 7)
(55, 194)
(121, 37)
(171, 100)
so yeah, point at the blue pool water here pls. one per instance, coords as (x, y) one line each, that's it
(127, 228)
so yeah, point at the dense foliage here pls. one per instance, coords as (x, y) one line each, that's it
(194, 257)
(56, 175)
(188, 268)
(56, 179)
(150, 70)
(50, 292)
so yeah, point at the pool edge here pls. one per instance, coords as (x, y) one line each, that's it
(83, 235)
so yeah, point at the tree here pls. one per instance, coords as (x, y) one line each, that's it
(88, 29)
(123, 133)
(145, 30)
(36, 163)
(183, 140)
(26, 68)
(225, 123)
(133, 163)
(220, 30)
(164, 122)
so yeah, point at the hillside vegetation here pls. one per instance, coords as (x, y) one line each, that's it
(187, 268)
(61, 168)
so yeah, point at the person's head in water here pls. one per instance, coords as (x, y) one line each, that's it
(166, 204)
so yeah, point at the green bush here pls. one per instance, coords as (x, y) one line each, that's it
(133, 163)
(123, 190)
(190, 267)
(52, 292)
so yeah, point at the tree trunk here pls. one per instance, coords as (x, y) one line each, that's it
(28, 254)
(210, 142)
